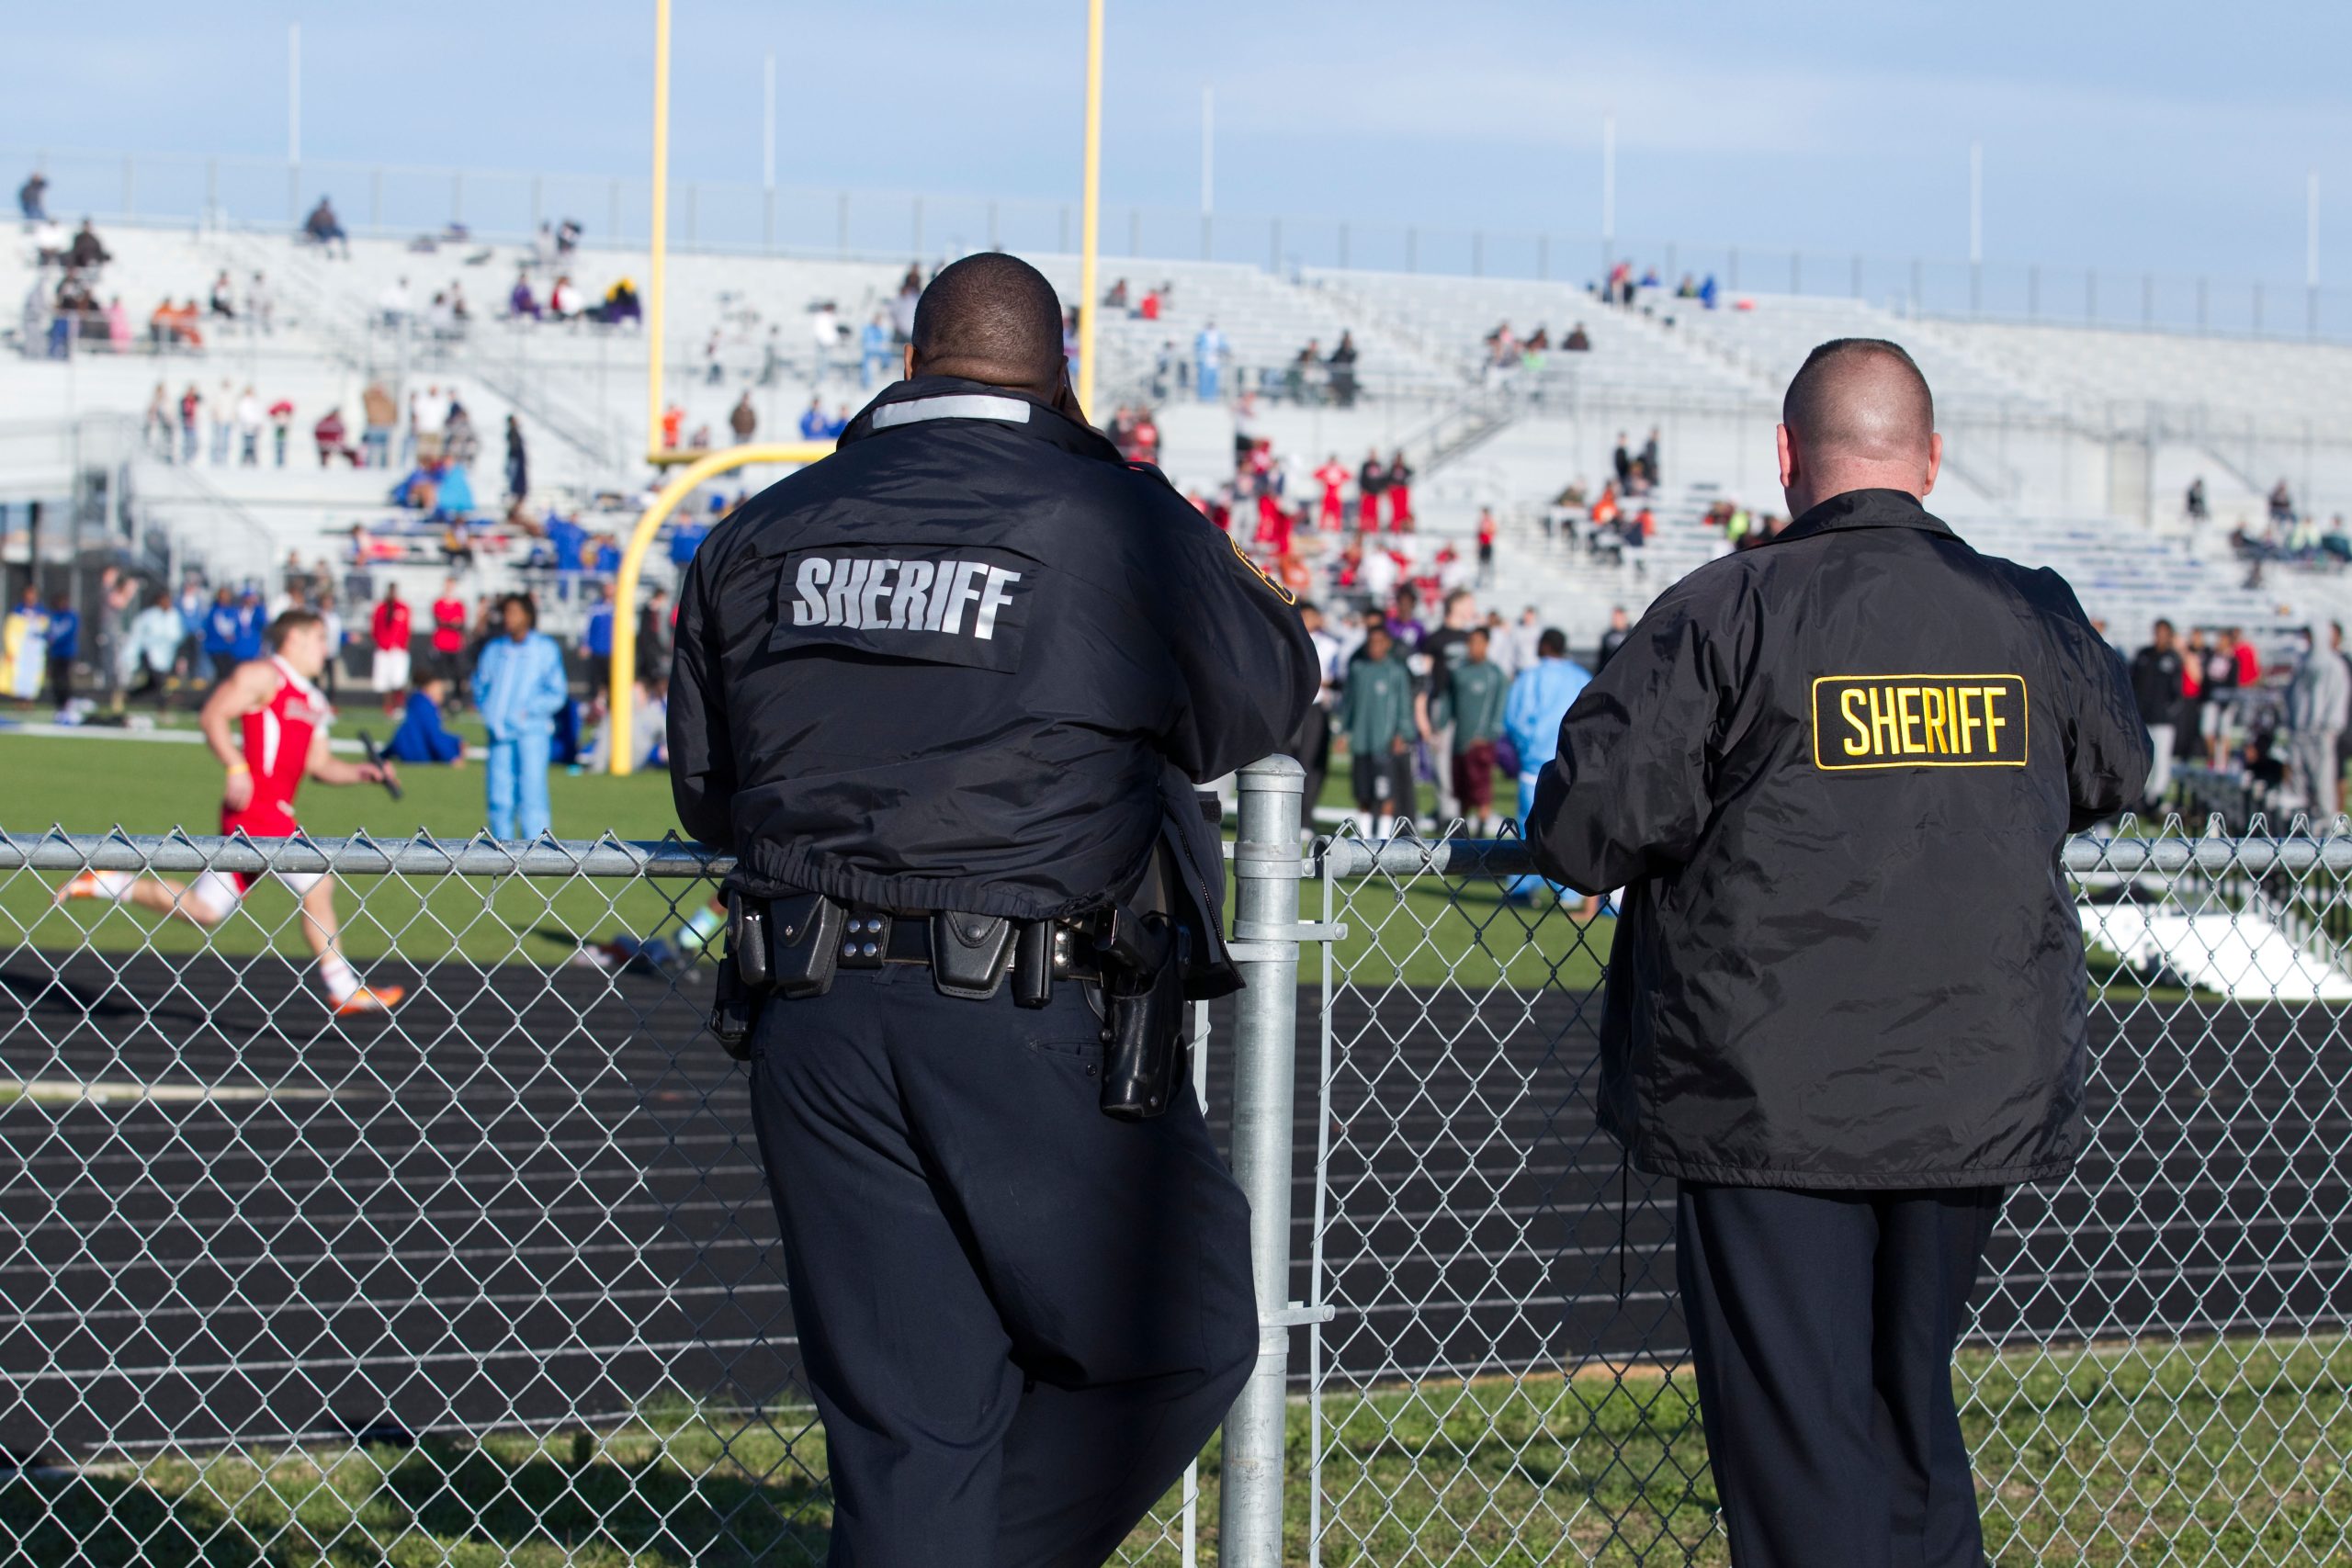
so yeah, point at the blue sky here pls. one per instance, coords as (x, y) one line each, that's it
(2162, 135)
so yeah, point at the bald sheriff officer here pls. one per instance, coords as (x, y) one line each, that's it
(1845, 1003)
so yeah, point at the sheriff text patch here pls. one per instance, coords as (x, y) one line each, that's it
(1919, 721)
(947, 605)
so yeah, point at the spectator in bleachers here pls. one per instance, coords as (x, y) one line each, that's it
(1622, 460)
(394, 305)
(874, 351)
(2220, 685)
(261, 305)
(422, 736)
(380, 414)
(1371, 480)
(2282, 504)
(1648, 461)
(1399, 485)
(324, 230)
(223, 302)
(743, 419)
(518, 461)
(191, 404)
(152, 652)
(812, 421)
(520, 302)
(1209, 353)
(2319, 703)
(333, 440)
(1343, 371)
(117, 326)
(224, 423)
(824, 338)
(902, 305)
(1332, 475)
(32, 197)
(155, 429)
(1577, 341)
(2193, 505)
(86, 251)
(2159, 687)
(250, 420)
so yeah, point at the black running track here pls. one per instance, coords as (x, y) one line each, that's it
(532, 1198)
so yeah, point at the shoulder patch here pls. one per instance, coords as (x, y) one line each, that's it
(1268, 577)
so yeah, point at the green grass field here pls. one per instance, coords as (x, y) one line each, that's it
(2227, 1451)
(1419, 934)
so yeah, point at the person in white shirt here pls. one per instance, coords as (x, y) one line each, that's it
(1379, 574)
(825, 335)
(428, 416)
(249, 423)
(394, 302)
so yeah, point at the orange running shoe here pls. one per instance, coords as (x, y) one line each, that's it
(370, 999)
(84, 886)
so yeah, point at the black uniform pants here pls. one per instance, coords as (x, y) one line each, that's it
(1821, 1327)
(1021, 1319)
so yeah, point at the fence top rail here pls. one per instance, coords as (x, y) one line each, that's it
(1349, 857)
(360, 855)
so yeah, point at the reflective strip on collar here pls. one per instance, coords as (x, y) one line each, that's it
(955, 405)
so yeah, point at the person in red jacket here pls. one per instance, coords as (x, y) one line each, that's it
(1331, 476)
(449, 635)
(1400, 496)
(389, 630)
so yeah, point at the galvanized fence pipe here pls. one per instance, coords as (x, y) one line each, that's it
(1267, 866)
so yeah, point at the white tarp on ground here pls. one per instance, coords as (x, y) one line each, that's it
(2241, 955)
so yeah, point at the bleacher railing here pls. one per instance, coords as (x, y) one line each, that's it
(403, 200)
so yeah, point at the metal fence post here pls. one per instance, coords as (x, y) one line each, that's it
(1266, 867)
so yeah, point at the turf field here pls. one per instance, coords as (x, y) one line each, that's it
(2098, 1456)
(88, 785)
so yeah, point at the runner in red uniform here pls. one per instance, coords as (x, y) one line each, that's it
(267, 724)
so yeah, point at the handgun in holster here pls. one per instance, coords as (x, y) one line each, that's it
(1145, 1042)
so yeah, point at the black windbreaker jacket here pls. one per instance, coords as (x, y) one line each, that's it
(1834, 774)
(969, 662)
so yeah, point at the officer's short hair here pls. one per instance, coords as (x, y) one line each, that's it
(1822, 407)
(1552, 643)
(993, 318)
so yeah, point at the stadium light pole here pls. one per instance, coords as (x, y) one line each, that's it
(1091, 211)
(2311, 251)
(657, 271)
(1607, 192)
(1208, 168)
(294, 92)
(1975, 227)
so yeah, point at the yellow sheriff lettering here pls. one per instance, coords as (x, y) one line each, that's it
(1919, 721)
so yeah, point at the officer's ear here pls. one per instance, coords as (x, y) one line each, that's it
(1788, 456)
(1935, 462)
(1065, 396)
(907, 362)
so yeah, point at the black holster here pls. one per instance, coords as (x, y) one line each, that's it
(1146, 1045)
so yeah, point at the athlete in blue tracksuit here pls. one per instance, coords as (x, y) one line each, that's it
(1540, 697)
(519, 687)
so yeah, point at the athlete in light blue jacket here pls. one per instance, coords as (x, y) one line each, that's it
(519, 687)
(1540, 697)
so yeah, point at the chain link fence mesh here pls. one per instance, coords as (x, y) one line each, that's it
(491, 1278)
(2156, 1371)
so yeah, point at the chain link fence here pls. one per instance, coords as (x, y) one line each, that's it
(493, 1278)
(2155, 1372)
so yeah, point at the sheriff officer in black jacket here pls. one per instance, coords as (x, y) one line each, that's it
(960, 679)
(1845, 1003)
